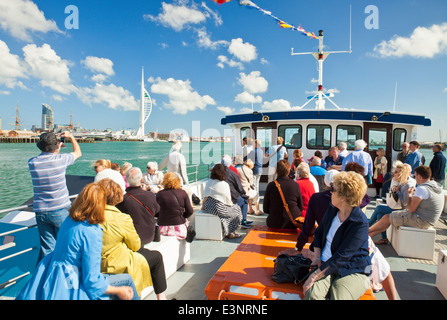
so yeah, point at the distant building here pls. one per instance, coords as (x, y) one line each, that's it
(47, 117)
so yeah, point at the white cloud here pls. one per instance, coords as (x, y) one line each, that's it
(276, 105)
(223, 60)
(178, 16)
(99, 65)
(99, 77)
(245, 52)
(226, 110)
(334, 91)
(110, 95)
(11, 68)
(246, 98)
(213, 14)
(422, 43)
(22, 17)
(58, 97)
(204, 40)
(182, 97)
(245, 110)
(253, 82)
(44, 64)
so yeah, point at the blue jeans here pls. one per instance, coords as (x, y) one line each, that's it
(120, 280)
(49, 223)
(378, 213)
(243, 203)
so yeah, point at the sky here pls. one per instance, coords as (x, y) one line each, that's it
(203, 60)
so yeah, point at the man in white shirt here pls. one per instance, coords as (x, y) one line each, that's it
(275, 153)
(424, 205)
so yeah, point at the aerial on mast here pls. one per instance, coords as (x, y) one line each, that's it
(320, 56)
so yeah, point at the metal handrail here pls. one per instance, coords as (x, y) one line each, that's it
(17, 254)
(12, 281)
(26, 206)
(195, 172)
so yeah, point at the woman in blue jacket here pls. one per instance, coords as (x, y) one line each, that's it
(341, 244)
(72, 270)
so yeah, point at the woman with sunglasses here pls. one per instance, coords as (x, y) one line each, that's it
(400, 184)
(103, 169)
(341, 244)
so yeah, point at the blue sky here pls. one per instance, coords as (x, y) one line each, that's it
(202, 60)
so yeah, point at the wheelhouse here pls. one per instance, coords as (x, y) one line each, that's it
(312, 130)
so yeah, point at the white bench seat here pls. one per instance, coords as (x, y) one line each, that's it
(208, 226)
(414, 242)
(175, 254)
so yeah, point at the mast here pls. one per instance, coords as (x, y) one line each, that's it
(17, 123)
(320, 56)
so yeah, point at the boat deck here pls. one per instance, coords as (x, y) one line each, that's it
(415, 279)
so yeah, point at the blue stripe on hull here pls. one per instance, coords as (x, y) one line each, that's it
(364, 116)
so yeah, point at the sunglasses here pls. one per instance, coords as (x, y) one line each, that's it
(332, 190)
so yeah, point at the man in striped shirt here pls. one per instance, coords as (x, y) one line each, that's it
(51, 201)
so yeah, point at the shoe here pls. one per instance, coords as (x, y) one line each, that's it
(233, 235)
(381, 241)
(248, 222)
(246, 225)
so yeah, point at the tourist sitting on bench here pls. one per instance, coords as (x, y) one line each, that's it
(401, 182)
(341, 244)
(121, 246)
(424, 205)
(217, 201)
(278, 217)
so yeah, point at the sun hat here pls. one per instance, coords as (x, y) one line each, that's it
(48, 142)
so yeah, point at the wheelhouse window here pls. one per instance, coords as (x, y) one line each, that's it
(292, 135)
(247, 132)
(265, 136)
(399, 136)
(377, 139)
(348, 134)
(319, 136)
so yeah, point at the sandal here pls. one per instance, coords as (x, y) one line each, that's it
(381, 241)
(259, 213)
(233, 235)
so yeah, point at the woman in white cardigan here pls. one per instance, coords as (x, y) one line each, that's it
(153, 179)
(217, 201)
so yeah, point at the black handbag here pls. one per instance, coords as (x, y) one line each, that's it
(190, 232)
(295, 268)
(195, 199)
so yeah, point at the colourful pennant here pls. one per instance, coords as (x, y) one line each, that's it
(281, 23)
(221, 1)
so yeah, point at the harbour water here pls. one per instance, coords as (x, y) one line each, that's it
(15, 179)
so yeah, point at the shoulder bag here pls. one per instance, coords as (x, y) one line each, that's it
(295, 268)
(286, 206)
(157, 236)
(393, 201)
(190, 233)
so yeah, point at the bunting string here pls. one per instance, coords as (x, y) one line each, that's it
(280, 22)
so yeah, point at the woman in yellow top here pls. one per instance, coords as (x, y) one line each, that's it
(121, 243)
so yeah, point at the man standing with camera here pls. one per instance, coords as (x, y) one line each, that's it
(51, 202)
